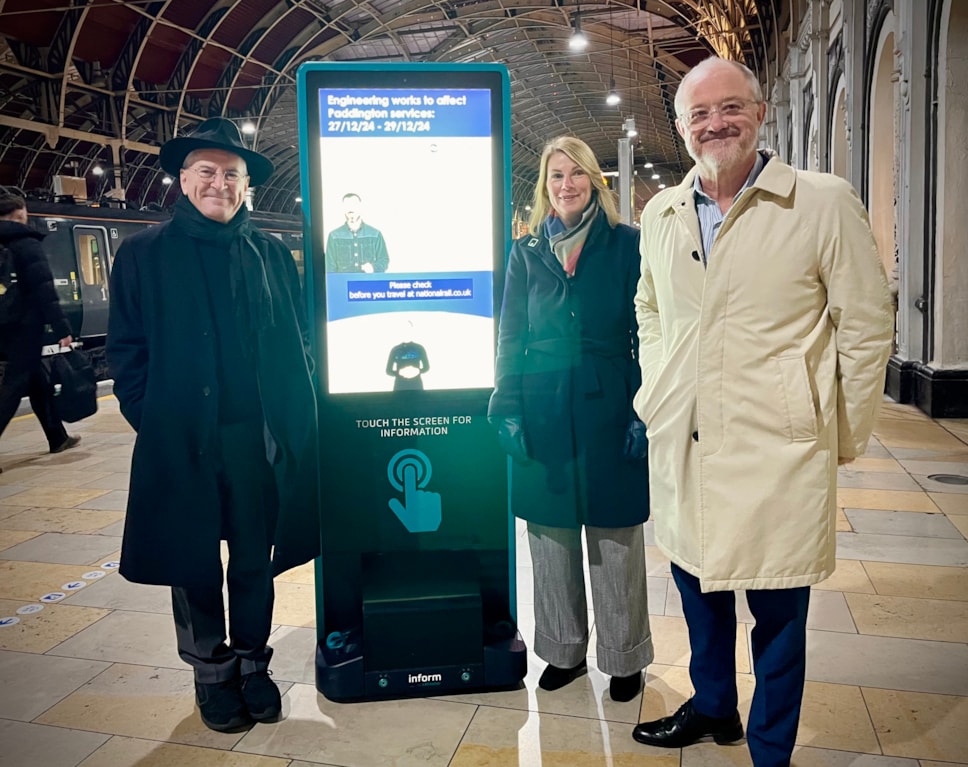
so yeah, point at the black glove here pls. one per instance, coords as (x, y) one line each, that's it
(636, 443)
(510, 434)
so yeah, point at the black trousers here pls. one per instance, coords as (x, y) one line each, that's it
(24, 375)
(248, 502)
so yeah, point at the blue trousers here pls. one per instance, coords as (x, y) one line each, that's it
(779, 645)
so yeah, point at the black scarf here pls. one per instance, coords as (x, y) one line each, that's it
(247, 271)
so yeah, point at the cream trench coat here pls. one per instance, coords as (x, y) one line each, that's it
(757, 372)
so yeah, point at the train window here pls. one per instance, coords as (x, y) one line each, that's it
(90, 243)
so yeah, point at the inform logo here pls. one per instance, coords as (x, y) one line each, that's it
(424, 678)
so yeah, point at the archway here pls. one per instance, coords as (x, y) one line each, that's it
(881, 150)
(838, 132)
(951, 266)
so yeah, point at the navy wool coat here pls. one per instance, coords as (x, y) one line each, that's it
(567, 364)
(162, 355)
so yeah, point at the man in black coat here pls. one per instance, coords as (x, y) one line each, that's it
(207, 349)
(21, 338)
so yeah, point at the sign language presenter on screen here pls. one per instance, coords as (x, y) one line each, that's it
(356, 246)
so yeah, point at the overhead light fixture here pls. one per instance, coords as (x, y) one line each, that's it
(299, 199)
(662, 186)
(647, 165)
(167, 180)
(248, 127)
(629, 127)
(578, 41)
(613, 99)
(655, 176)
(97, 170)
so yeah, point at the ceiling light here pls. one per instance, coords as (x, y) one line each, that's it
(629, 127)
(578, 41)
(661, 186)
(167, 180)
(655, 176)
(299, 199)
(97, 170)
(613, 99)
(647, 165)
(248, 127)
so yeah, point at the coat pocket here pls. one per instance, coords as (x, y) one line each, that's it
(798, 398)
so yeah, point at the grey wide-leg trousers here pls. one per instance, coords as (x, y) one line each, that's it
(616, 560)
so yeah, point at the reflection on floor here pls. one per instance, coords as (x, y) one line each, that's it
(93, 679)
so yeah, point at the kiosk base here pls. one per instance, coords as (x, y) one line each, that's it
(345, 680)
(423, 633)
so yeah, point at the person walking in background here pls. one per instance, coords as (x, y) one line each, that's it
(356, 246)
(33, 303)
(562, 405)
(765, 324)
(207, 349)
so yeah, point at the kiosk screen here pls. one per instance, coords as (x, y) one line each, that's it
(411, 237)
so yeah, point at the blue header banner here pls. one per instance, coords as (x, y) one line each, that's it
(355, 295)
(403, 112)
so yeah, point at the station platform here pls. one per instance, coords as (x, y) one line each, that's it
(93, 678)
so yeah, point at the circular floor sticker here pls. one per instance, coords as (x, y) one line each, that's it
(73, 585)
(54, 596)
(94, 575)
(112, 565)
(10, 620)
(29, 609)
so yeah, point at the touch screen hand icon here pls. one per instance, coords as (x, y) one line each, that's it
(409, 470)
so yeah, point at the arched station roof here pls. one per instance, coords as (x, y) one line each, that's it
(88, 84)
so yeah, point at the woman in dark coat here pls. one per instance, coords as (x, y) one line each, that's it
(567, 370)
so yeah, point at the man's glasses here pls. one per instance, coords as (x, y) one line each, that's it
(699, 117)
(209, 174)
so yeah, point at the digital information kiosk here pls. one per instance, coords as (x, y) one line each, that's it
(405, 185)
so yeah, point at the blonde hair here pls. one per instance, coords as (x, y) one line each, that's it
(580, 153)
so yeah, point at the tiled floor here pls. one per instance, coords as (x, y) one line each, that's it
(92, 677)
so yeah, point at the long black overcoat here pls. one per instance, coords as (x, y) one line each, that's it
(162, 355)
(567, 363)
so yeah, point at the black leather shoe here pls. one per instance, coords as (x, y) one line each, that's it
(261, 696)
(688, 726)
(222, 707)
(624, 688)
(554, 677)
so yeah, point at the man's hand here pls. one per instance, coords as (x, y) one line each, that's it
(66, 341)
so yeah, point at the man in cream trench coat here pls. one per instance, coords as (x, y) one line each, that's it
(765, 325)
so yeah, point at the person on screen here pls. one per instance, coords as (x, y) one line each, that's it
(566, 370)
(407, 363)
(206, 347)
(356, 246)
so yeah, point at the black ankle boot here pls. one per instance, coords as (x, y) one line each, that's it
(625, 688)
(554, 678)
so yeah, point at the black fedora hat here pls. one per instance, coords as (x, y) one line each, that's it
(215, 133)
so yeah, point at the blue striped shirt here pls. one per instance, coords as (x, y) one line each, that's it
(710, 216)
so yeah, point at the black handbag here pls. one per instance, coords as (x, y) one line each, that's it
(72, 376)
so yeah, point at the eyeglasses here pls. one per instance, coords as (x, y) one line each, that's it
(209, 174)
(700, 116)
